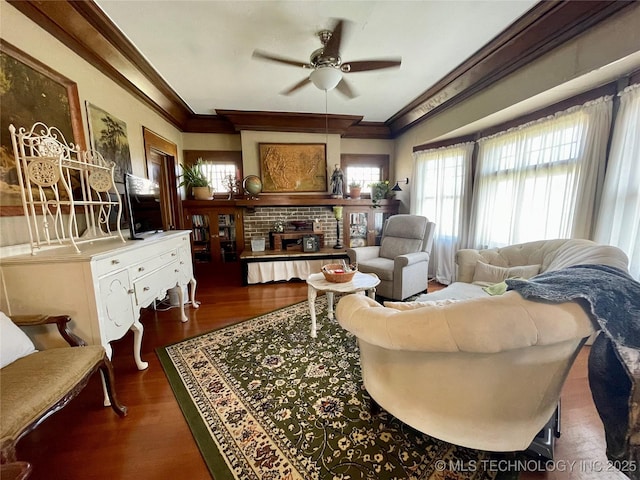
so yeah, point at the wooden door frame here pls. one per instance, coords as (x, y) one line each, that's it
(170, 202)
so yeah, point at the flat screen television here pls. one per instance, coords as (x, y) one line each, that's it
(142, 199)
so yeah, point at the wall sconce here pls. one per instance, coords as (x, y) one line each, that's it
(337, 213)
(396, 187)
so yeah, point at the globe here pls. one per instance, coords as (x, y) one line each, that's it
(252, 186)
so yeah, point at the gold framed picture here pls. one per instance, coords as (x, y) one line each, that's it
(32, 92)
(108, 135)
(293, 167)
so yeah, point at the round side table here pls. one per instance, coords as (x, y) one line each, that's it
(361, 282)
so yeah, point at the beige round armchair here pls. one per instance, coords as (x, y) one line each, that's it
(484, 373)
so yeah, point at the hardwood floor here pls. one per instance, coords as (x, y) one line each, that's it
(87, 441)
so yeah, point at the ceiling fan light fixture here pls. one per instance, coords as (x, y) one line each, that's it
(326, 78)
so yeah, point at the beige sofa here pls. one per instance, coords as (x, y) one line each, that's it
(483, 372)
(547, 254)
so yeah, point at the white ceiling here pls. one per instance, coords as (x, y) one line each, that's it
(203, 49)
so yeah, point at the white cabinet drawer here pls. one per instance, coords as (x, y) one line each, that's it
(144, 252)
(117, 262)
(147, 266)
(155, 284)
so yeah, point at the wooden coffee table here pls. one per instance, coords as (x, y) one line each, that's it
(316, 282)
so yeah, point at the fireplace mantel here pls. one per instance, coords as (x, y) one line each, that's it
(288, 201)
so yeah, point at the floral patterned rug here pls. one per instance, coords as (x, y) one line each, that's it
(266, 401)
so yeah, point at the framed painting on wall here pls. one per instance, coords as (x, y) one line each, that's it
(293, 167)
(108, 136)
(31, 92)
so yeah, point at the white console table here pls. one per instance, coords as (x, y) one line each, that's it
(103, 287)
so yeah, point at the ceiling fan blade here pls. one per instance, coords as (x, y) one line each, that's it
(297, 86)
(344, 88)
(332, 48)
(267, 56)
(365, 65)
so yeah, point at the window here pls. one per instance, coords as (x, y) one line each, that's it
(218, 173)
(217, 166)
(365, 169)
(441, 193)
(620, 209)
(538, 181)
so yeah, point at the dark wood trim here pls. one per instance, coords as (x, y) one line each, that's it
(209, 124)
(154, 141)
(368, 130)
(275, 200)
(446, 143)
(546, 26)
(84, 28)
(289, 122)
(634, 77)
(171, 206)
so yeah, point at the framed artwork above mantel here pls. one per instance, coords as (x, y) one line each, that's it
(293, 167)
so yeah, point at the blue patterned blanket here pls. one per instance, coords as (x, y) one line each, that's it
(612, 294)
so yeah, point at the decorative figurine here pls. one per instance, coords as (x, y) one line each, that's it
(337, 182)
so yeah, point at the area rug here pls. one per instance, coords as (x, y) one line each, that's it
(266, 401)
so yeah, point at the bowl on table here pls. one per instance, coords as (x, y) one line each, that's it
(339, 273)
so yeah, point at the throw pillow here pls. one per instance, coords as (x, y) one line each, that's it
(14, 343)
(486, 275)
(496, 288)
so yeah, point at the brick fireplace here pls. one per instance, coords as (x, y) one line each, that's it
(259, 222)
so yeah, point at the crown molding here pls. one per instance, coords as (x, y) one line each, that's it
(289, 122)
(84, 28)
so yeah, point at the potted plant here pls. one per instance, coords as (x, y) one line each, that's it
(379, 191)
(354, 190)
(194, 179)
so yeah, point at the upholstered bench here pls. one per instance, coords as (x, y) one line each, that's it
(39, 383)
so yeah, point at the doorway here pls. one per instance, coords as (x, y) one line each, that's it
(161, 157)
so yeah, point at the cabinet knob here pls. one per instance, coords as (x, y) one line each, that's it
(130, 291)
(173, 254)
(177, 270)
(141, 269)
(146, 289)
(115, 261)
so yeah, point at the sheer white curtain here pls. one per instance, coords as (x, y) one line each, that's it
(619, 216)
(441, 193)
(540, 180)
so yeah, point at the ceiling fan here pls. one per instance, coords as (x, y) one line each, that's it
(327, 65)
